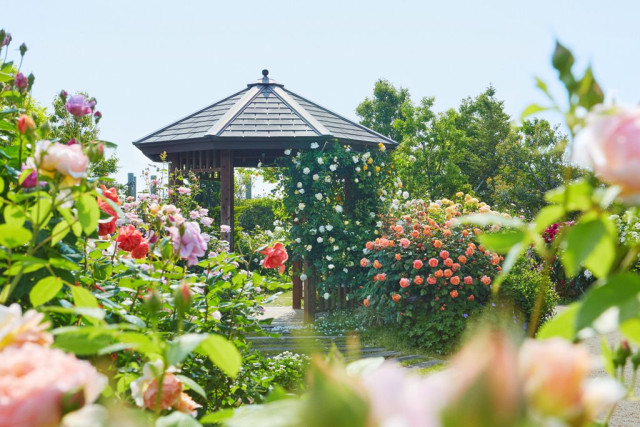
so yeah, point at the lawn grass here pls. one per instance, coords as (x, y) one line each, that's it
(285, 299)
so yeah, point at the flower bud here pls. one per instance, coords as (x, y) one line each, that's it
(182, 298)
(153, 302)
(25, 123)
(23, 49)
(96, 151)
(20, 81)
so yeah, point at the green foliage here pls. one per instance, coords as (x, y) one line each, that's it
(521, 289)
(256, 212)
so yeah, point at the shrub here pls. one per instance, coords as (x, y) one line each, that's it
(521, 288)
(256, 212)
(428, 276)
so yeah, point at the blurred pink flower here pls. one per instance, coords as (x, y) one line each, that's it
(225, 229)
(191, 243)
(184, 190)
(21, 81)
(610, 145)
(206, 221)
(34, 379)
(17, 329)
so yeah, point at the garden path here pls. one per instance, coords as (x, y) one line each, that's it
(627, 414)
(295, 336)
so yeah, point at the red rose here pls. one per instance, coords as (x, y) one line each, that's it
(129, 238)
(106, 228)
(141, 250)
(275, 256)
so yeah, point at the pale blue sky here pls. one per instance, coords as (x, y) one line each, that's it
(152, 62)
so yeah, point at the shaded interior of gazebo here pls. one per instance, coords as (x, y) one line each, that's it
(251, 128)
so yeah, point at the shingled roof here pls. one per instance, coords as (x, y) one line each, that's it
(265, 115)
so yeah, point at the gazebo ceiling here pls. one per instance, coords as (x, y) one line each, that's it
(263, 117)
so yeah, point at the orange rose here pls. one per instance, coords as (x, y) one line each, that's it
(448, 273)
(366, 302)
(438, 273)
(396, 297)
(444, 254)
(376, 264)
(455, 280)
(468, 280)
(433, 262)
(448, 262)
(418, 280)
(432, 280)
(454, 294)
(462, 259)
(415, 234)
(437, 243)
(398, 257)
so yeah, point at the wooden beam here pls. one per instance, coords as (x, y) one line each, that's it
(226, 194)
(297, 284)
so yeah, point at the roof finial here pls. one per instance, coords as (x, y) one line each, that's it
(265, 72)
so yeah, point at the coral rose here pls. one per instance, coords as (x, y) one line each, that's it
(432, 280)
(171, 393)
(418, 280)
(376, 264)
(438, 273)
(275, 256)
(468, 280)
(415, 234)
(382, 277)
(404, 242)
(398, 257)
(444, 254)
(455, 280)
(128, 238)
(69, 160)
(448, 273)
(417, 264)
(485, 280)
(437, 243)
(396, 297)
(454, 294)
(369, 246)
(448, 262)
(433, 262)
(364, 262)
(462, 259)
(404, 282)
(366, 302)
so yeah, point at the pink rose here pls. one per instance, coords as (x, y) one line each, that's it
(78, 106)
(610, 145)
(404, 282)
(417, 264)
(69, 160)
(404, 242)
(206, 221)
(184, 191)
(17, 329)
(34, 379)
(190, 243)
(225, 229)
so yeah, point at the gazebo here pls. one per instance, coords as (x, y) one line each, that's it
(251, 128)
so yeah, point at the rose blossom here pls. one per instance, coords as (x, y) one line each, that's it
(275, 256)
(191, 243)
(141, 250)
(225, 229)
(21, 81)
(184, 191)
(78, 106)
(404, 282)
(34, 380)
(417, 264)
(17, 329)
(610, 145)
(129, 238)
(206, 221)
(69, 160)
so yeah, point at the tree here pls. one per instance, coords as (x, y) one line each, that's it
(532, 165)
(381, 112)
(486, 126)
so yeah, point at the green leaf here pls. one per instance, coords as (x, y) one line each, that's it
(562, 61)
(182, 347)
(223, 354)
(589, 243)
(631, 329)
(217, 417)
(577, 196)
(5, 77)
(40, 212)
(502, 241)
(540, 84)
(83, 343)
(45, 290)
(589, 90)
(59, 232)
(607, 357)
(14, 215)
(94, 313)
(562, 325)
(192, 385)
(88, 213)
(547, 216)
(621, 291)
(12, 236)
(83, 297)
(532, 109)
(64, 264)
(177, 419)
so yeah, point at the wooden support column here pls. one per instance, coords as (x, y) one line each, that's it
(297, 284)
(310, 294)
(226, 194)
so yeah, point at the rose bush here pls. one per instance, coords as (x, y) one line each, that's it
(427, 276)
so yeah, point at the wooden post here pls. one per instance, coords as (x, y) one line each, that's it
(297, 284)
(226, 194)
(310, 294)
